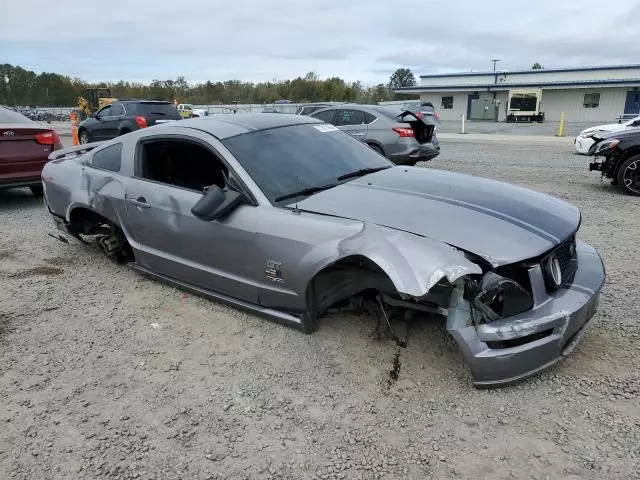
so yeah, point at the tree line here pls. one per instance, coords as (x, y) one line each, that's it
(20, 87)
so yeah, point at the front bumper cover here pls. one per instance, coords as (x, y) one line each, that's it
(554, 326)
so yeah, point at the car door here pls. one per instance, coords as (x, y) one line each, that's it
(171, 241)
(100, 128)
(351, 121)
(112, 125)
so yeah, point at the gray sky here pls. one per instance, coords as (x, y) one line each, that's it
(259, 40)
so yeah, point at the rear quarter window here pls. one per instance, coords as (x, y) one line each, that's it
(160, 110)
(109, 158)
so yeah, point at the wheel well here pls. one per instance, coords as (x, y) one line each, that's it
(84, 221)
(375, 144)
(632, 152)
(344, 279)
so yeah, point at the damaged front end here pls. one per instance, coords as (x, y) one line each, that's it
(508, 332)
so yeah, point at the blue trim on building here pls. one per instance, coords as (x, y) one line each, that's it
(544, 70)
(507, 86)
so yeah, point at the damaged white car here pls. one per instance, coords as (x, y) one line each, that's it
(287, 216)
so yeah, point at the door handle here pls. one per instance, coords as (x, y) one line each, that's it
(139, 202)
(358, 134)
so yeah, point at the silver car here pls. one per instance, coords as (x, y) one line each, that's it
(286, 216)
(399, 135)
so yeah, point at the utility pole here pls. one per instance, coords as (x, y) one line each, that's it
(495, 76)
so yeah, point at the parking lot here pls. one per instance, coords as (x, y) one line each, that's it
(107, 374)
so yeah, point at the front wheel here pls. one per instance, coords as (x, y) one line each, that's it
(629, 175)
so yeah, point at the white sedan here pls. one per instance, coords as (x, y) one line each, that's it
(584, 140)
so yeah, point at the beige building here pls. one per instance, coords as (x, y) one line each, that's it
(589, 94)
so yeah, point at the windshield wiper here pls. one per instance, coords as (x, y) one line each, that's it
(361, 172)
(305, 192)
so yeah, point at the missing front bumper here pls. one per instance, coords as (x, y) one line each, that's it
(554, 327)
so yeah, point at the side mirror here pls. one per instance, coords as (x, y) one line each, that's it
(215, 204)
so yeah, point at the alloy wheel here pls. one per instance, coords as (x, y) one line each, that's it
(631, 176)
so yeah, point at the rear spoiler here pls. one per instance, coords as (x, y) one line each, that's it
(74, 151)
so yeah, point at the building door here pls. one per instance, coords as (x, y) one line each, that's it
(484, 108)
(472, 97)
(632, 105)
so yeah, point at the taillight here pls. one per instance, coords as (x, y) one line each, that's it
(141, 121)
(404, 132)
(47, 138)
(437, 115)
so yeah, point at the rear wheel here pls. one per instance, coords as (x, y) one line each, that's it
(37, 191)
(84, 137)
(376, 148)
(629, 175)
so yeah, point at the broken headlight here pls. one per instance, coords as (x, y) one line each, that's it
(497, 297)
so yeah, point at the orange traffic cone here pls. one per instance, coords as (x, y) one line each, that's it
(74, 128)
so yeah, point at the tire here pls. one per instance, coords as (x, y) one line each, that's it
(375, 147)
(628, 175)
(83, 137)
(37, 191)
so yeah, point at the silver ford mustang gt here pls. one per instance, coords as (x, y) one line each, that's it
(287, 216)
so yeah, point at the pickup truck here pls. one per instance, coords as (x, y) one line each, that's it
(187, 111)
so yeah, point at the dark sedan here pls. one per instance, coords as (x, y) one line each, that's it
(24, 149)
(621, 152)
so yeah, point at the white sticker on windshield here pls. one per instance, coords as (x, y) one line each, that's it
(325, 128)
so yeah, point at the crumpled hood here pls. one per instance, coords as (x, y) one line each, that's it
(611, 127)
(622, 135)
(500, 222)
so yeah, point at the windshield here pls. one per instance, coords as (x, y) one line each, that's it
(289, 159)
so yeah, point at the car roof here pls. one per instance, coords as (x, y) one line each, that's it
(229, 125)
(134, 100)
(355, 106)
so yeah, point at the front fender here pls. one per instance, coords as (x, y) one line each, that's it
(414, 264)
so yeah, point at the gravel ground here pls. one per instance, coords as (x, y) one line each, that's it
(107, 374)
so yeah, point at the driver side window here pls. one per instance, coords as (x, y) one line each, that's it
(180, 163)
(105, 112)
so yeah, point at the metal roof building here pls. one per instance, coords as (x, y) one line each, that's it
(594, 94)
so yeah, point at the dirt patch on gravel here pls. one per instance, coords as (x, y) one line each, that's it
(60, 261)
(40, 270)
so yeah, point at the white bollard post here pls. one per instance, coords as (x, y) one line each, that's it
(462, 127)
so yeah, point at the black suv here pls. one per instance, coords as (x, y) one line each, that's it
(124, 116)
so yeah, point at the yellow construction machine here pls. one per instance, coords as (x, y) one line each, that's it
(90, 102)
(94, 99)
